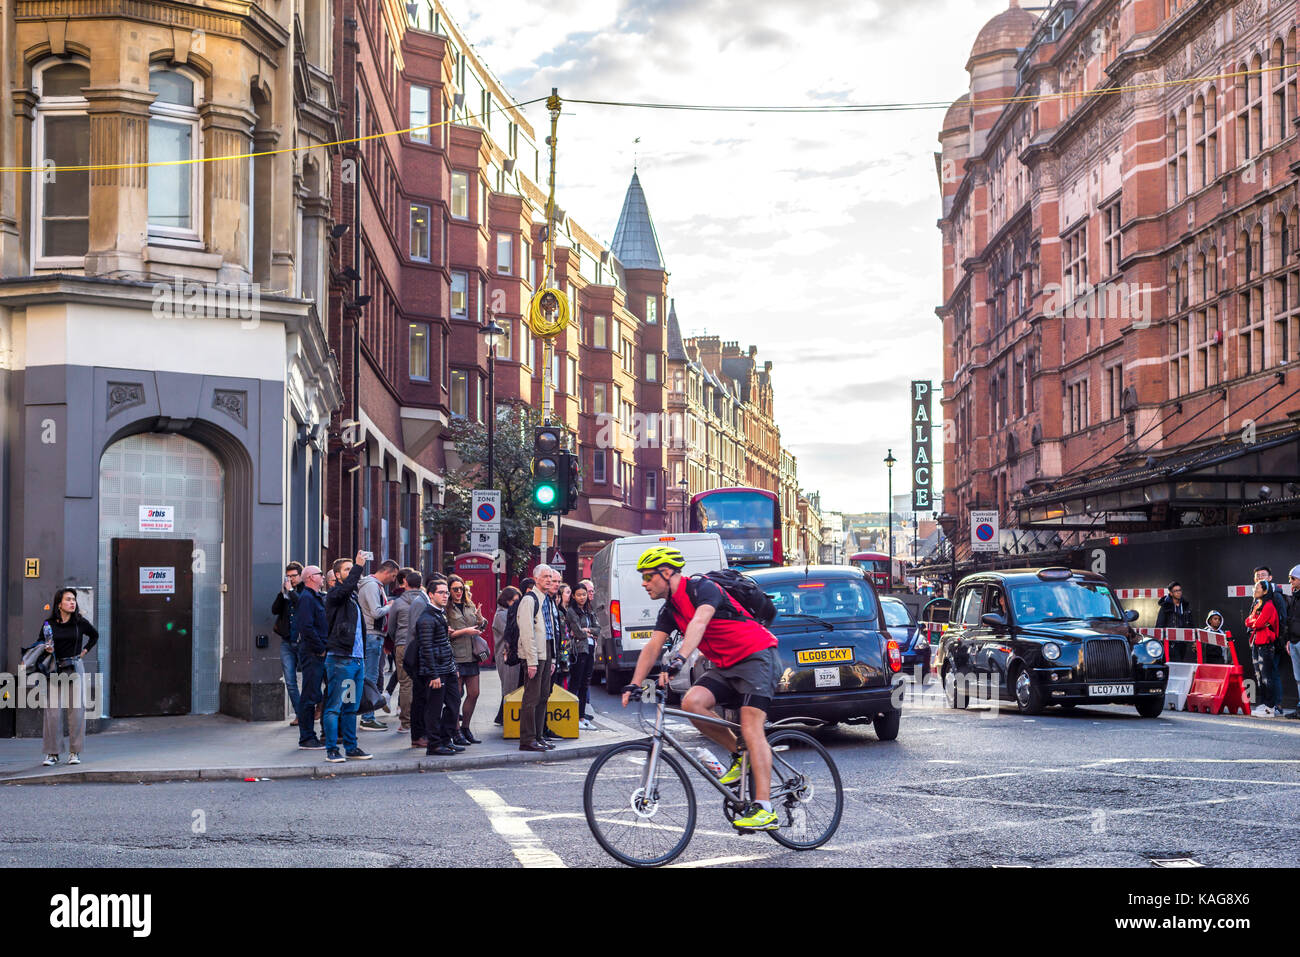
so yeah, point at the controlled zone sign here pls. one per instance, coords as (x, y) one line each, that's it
(984, 530)
(485, 511)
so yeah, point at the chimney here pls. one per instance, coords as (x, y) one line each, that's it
(753, 351)
(767, 366)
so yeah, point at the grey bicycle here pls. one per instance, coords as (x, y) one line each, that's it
(640, 804)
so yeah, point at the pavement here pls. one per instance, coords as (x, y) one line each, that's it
(221, 748)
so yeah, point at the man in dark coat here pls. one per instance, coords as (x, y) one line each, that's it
(1174, 612)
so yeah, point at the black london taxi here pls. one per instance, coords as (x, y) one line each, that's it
(1047, 636)
(838, 660)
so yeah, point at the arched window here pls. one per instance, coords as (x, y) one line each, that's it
(60, 200)
(1211, 135)
(1198, 134)
(1279, 118)
(174, 197)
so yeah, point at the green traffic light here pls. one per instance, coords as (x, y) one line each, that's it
(544, 495)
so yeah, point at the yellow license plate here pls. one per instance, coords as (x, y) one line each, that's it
(824, 656)
(640, 635)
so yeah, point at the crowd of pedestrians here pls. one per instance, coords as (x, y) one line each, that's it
(335, 640)
(1273, 626)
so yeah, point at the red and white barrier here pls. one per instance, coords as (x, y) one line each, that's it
(1248, 591)
(1140, 593)
(1200, 635)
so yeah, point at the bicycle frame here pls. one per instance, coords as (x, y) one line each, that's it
(660, 735)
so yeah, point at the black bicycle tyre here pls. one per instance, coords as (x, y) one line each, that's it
(665, 759)
(806, 739)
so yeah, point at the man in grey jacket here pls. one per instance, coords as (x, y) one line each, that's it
(372, 595)
(535, 655)
(406, 610)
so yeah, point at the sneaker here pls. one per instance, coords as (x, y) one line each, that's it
(356, 754)
(74, 758)
(334, 756)
(370, 724)
(1262, 711)
(732, 774)
(311, 744)
(757, 819)
(50, 760)
(586, 725)
(1277, 712)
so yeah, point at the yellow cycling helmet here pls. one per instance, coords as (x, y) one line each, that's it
(657, 556)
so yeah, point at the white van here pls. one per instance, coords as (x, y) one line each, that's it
(627, 614)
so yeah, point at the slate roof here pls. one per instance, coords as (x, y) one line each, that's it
(636, 244)
(676, 347)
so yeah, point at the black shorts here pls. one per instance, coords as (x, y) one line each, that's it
(468, 669)
(749, 683)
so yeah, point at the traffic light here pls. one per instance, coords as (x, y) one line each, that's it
(572, 481)
(548, 458)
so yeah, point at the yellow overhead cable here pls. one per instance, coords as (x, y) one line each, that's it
(239, 156)
(841, 108)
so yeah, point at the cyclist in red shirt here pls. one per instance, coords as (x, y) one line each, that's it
(744, 675)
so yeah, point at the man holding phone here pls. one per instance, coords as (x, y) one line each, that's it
(345, 657)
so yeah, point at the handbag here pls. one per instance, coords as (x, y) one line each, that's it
(480, 648)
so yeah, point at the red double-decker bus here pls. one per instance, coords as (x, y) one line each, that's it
(748, 520)
(876, 565)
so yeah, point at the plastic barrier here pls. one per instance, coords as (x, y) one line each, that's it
(1207, 688)
(1181, 676)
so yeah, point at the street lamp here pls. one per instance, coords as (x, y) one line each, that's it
(490, 332)
(889, 464)
(685, 486)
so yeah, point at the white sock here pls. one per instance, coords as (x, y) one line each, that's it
(765, 805)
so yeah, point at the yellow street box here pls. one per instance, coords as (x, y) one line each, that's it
(561, 713)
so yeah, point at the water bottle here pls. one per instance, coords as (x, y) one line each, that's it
(48, 634)
(709, 761)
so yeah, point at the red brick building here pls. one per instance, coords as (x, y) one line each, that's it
(444, 230)
(1121, 287)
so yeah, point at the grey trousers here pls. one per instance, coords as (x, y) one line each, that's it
(62, 694)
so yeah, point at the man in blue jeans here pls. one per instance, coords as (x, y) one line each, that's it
(312, 630)
(372, 594)
(345, 669)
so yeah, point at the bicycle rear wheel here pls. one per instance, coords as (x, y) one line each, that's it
(806, 792)
(636, 828)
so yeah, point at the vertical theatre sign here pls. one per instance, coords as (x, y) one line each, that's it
(922, 474)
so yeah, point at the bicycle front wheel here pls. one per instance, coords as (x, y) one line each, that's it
(639, 826)
(806, 792)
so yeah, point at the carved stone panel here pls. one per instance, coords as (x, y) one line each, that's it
(123, 396)
(232, 402)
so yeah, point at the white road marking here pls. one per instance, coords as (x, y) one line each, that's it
(508, 822)
(1096, 764)
(719, 861)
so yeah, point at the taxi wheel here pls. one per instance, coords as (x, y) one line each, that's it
(952, 696)
(1151, 707)
(1029, 697)
(886, 725)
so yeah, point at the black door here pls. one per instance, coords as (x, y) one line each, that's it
(152, 627)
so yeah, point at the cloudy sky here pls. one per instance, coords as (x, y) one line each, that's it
(810, 236)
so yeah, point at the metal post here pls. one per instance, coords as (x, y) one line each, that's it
(492, 407)
(889, 466)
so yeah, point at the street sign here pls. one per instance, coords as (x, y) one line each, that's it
(558, 561)
(984, 530)
(485, 511)
(484, 541)
(499, 562)
(921, 448)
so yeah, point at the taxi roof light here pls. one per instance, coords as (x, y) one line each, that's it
(1055, 574)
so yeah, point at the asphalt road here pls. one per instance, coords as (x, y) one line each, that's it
(1099, 787)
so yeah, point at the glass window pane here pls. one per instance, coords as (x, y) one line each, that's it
(460, 195)
(66, 196)
(420, 233)
(460, 295)
(171, 88)
(505, 254)
(459, 391)
(420, 113)
(65, 79)
(419, 350)
(169, 186)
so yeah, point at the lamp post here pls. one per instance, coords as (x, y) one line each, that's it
(490, 332)
(685, 486)
(889, 465)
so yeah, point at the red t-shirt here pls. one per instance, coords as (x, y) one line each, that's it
(731, 635)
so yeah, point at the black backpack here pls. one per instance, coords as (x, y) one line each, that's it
(510, 637)
(746, 592)
(411, 658)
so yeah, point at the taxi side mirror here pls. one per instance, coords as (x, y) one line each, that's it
(993, 620)
(1130, 615)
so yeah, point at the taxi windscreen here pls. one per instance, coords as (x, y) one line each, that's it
(1047, 601)
(830, 600)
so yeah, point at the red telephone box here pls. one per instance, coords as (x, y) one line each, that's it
(476, 569)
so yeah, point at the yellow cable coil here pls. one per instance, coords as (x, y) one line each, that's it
(539, 321)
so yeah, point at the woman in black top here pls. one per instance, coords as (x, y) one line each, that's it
(584, 628)
(65, 633)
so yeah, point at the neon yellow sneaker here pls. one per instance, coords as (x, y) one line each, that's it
(757, 819)
(732, 774)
